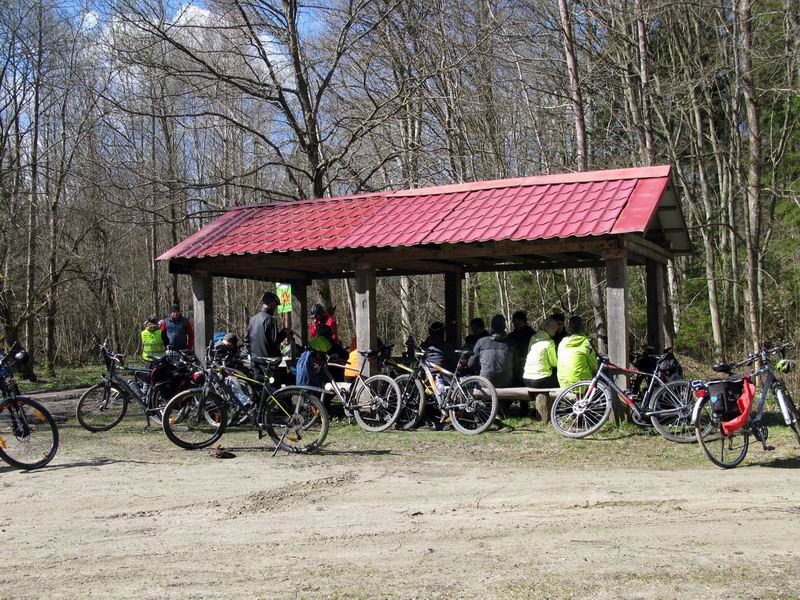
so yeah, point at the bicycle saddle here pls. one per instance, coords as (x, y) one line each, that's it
(369, 353)
(463, 352)
(266, 360)
(726, 368)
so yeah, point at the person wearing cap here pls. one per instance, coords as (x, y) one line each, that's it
(263, 337)
(319, 317)
(495, 355)
(177, 330)
(152, 340)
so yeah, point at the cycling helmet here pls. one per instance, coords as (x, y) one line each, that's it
(784, 366)
(436, 328)
(317, 309)
(320, 344)
(21, 358)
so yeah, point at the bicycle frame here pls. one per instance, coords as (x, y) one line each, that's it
(639, 410)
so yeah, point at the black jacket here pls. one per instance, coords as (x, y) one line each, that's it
(263, 337)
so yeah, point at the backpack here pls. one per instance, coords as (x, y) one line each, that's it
(724, 395)
(308, 370)
(669, 369)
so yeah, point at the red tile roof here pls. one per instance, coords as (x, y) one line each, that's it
(531, 208)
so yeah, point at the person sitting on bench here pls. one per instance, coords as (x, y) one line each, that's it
(577, 359)
(541, 360)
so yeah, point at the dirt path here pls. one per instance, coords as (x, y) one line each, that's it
(129, 516)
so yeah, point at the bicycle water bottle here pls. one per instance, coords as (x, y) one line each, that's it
(134, 385)
(243, 398)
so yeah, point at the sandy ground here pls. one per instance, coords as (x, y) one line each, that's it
(127, 515)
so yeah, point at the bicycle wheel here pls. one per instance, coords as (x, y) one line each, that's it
(413, 402)
(674, 401)
(377, 403)
(185, 421)
(576, 413)
(296, 420)
(102, 407)
(725, 451)
(28, 434)
(476, 405)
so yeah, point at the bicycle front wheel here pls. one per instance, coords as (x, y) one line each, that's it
(28, 434)
(726, 451)
(194, 419)
(412, 394)
(672, 404)
(102, 407)
(581, 409)
(296, 420)
(476, 405)
(377, 403)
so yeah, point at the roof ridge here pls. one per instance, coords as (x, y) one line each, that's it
(302, 201)
(576, 177)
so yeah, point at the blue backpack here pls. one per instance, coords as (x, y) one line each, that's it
(307, 371)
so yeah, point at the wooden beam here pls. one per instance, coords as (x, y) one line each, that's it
(453, 295)
(647, 249)
(366, 330)
(203, 313)
(656, 307)
(299, 312)
(617, 318)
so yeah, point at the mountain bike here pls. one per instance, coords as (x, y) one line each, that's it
(28, 432)
(414, 398)
(470, 402)
(724, 406)
(583, 407)
(104, 405)
(293, 417)
(373, 401)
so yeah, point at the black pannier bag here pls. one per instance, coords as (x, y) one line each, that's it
(724, 395)
(669, 369)
(169, 379)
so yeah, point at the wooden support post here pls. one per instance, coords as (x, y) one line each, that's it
(299, 314)
(655, 305)
(617, 318)
(366, 330)
(453, 285)
(203, 297)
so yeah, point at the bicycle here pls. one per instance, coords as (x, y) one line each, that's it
(373, 401)
(583, 407)
(293, 417)
(413, 400)
(28, 432)
(469, 401)
(721, 415)
(103, 406)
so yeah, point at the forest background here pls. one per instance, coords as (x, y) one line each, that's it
(125, 125)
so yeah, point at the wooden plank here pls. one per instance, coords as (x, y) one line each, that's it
(617, 318)
(299, 313)
(366, 330)
(453, 297)
(203, 313)
(655, 305)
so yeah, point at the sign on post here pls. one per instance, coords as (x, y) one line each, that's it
(284, 291)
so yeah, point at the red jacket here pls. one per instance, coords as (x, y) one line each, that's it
(328, 320)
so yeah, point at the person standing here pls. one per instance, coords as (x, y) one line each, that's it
(263, 337)
(152, 341)
(177, 330)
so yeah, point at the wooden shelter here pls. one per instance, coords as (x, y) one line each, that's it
(610, 219)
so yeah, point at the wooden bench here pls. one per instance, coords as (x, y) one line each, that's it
(542, 397)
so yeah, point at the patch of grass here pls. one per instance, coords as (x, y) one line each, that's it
(65, 377)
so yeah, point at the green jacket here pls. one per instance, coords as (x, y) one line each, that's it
(152, 344)
(577, 359)
(541, 358)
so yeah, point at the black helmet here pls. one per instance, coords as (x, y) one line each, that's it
(436, 328)
(21, 358)
(317, 309)
(270, 298)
